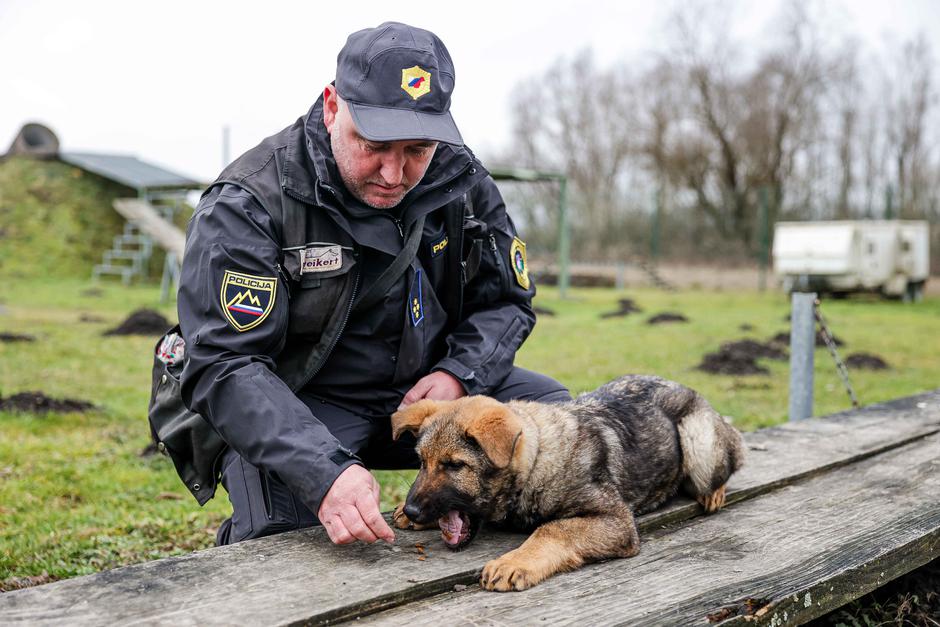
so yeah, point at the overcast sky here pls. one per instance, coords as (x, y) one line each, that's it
(161, 79)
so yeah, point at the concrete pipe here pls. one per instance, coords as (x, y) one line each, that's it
(35, 140)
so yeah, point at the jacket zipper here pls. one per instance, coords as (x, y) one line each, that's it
(499, 262)
(397, 222)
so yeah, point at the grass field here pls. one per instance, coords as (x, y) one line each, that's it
(76, 497)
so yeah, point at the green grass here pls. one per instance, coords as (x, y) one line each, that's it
(75, 496)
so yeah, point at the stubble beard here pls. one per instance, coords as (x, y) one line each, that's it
(357, 188)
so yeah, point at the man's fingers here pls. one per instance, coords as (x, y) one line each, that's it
(416, 393)
(356, 526)
(373, 518)
(337, 531)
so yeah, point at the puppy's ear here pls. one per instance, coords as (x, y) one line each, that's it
(412, 417)
(498, 431)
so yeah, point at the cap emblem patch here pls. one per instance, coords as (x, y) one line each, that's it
(247, 299)
(416, 82)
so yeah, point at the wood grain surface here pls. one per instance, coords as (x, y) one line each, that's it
(299, 577)
(785, 558)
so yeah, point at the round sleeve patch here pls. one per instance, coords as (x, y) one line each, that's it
(518, 262)
(247, 299)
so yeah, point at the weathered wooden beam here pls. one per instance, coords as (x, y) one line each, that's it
(784, 558)
(301, 577)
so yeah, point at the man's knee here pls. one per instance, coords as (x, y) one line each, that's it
(526, 385)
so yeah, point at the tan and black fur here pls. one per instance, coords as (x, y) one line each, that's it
(575, 474)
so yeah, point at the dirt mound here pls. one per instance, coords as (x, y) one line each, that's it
(16, 337)
(784, 338)
(149, 451)
(753, 349)
(18, 583)
(542, 311)
(740, 357)
(730, 363)
(667, 316)
(142, 322)
(39, 403)
(625, 306)
(746, 327)
(866, 361)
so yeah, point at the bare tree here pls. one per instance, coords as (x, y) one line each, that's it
(911, 97)
(586, 131)
(711, 123)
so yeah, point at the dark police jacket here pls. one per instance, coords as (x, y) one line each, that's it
(270, 275)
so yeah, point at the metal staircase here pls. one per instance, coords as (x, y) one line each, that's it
(130, 252)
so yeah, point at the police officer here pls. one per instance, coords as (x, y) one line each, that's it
(356, 262)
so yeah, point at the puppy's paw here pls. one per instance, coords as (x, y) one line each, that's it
(505, 574)
(401, 520)
(714, 501)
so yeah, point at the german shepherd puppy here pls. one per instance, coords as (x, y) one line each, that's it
(575, 474)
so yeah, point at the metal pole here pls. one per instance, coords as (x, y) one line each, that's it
(654, 231)
(763, 238)
(802, 346)
(225, 146)
(889, 202)
(564, 238)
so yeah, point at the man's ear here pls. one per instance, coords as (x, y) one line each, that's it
(330, 107)
(498, 431)
(412, 417)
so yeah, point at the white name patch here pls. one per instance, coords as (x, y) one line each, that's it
(321, 259)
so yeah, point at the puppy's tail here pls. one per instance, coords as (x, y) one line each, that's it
(712, 450)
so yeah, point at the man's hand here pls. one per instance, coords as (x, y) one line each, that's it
(437, 386)
(350, 510)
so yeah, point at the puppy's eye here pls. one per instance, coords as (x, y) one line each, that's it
(452, 464)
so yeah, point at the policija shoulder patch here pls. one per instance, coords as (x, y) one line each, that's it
(247, 299)
(518, 262)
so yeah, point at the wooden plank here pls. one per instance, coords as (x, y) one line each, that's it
(143, 214)
(787, 557)
(300, 576)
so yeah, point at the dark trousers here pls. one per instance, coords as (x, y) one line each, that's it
(262, 505)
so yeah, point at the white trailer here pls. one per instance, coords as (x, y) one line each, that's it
(887, 256)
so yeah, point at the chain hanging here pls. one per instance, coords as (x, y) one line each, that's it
(831, 345)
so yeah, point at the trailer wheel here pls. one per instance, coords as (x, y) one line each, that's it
(914, 292)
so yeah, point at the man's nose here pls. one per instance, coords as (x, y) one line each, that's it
(393, 168)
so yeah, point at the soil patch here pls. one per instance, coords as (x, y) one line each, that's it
(18, 583)
(730, 363)
(784, 338)
(90, 318)
(542, 311)
(149, 451)
(667, 316)
(39, 403)
(142, 322)
(93, 292)
(753, 349)
(625, 306)
(16, 337)
(746, 327)
(866, 361)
